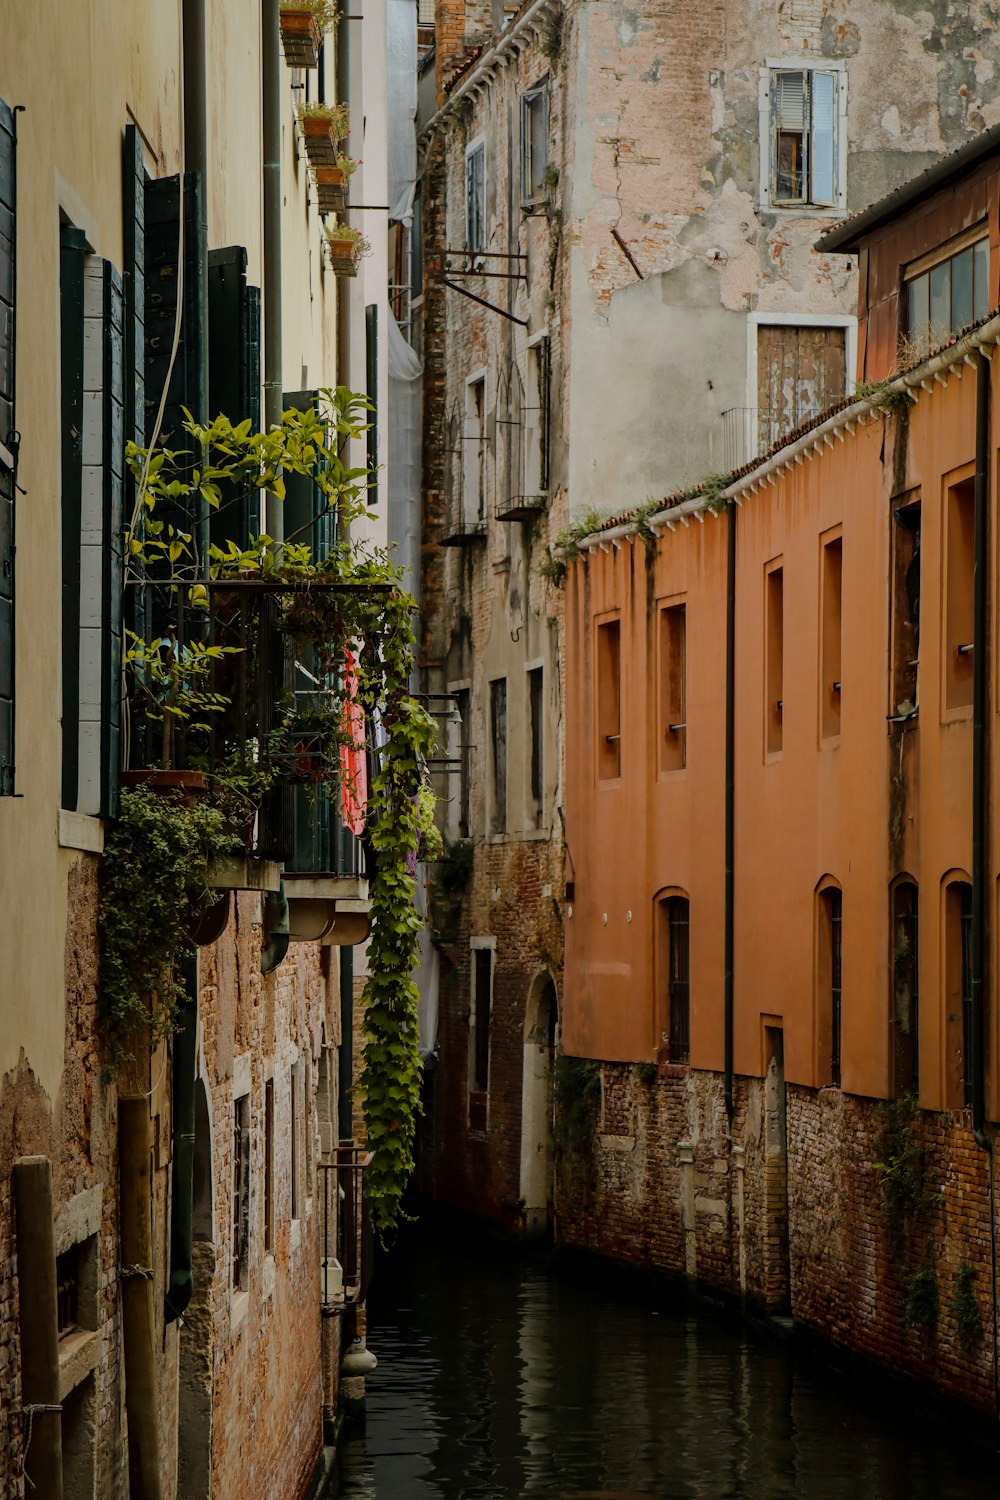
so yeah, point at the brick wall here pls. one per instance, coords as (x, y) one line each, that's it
(658, 1186)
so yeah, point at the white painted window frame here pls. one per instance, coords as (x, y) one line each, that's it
(479, 144)
(759, 319)
(474, 505)
(801, 65)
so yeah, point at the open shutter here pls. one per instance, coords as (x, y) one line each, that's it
(115, 418)
(234, 374)
(8, 450)
(788, 132)
(72, 250)
(371, 389)
(823, 144)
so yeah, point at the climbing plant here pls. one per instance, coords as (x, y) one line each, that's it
(350, 600)
(901, 1165)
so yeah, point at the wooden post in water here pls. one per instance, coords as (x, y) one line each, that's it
(138, 1323)
(41, 1424)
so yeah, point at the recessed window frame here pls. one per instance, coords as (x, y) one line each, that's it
(829, 982)
(923, 269)
(767, 129)
(482, 981)
(534, 101)
(475, 195)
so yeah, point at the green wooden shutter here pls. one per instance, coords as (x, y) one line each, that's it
(371, 385)
(8, 449)
(118, 412)
(71, 258)
(187, 384)
(234, 374)
(134, 283)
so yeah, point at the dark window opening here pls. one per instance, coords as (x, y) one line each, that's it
(959, 570)
(905, 645)
(536, 714)
(673, 688)
(609, 700)
(829, 966)
(269, 1165)
(678, 978)
(241, 1194)
(498, 737)
(832, 635)
(965, 919)
(774, 665)
(68, 1291)
(905, 988)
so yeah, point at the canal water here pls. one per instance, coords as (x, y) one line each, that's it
(501, 1378)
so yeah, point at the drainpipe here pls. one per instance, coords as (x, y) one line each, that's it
(181, 1285)
(196, 161)
(38, 1324)
(343, 91)
(731, 513)
(345, 1060)
(271, 66)
(276, 927)
(139, 1340)
(981, 810)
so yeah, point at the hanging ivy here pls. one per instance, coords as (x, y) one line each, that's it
(351, 600)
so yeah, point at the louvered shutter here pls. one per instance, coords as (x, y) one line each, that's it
(8, 450)
(788, 118)
(823, 143)
(234, 374)
(72, 252)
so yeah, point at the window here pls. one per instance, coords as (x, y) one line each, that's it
(829, 964)
(905, 644)
(608, 700)
(678, 978)
(475, 197)
(498, 749)
(830, 639)
(804, 165)
(536, 718)
(269, 1166)
(958, 992)
(461, 749)
(534, 142)
(474, 453)
(958, 607)
(905, 970)
(673, 688)
(801, 370)
(774, 644)
(480, 1012)
(536, 420)
(945, 293)
(7, 451)
(241, 1194)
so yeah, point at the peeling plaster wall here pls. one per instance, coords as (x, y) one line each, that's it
(665, 151)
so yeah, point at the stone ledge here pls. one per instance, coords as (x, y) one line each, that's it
(79, 1353)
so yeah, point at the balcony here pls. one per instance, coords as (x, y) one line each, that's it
(346, 1245)
(325, 880)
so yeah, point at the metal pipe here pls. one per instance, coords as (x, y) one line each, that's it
(343, 92)
(195, 84)
(38, 1324)
(276, 928)
(185, 1050)
(730, 805)
(345, 1058)
(273, 392)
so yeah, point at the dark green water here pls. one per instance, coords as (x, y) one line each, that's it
(501, 1379)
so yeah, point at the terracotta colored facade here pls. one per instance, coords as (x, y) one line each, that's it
(851, 678)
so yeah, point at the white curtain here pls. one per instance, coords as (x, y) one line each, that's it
(405, 373)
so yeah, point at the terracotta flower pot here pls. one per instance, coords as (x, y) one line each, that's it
(320, 142)
(344, 256)
(300, 38)
(331, 189)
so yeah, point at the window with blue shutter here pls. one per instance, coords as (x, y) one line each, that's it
(8, 450)
(805, 164)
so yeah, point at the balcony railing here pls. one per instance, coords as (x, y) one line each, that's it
(749, 431)
(346, 1246)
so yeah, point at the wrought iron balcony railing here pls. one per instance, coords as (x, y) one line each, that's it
(346, 1245)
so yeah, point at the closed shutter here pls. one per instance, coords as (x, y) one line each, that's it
(371, 388)
(116, 414)
(8, 449)
(72, 252)
(187, 380)
(134, 343)
(234, 375)
(823, 145)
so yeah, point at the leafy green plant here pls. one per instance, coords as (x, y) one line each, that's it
(337, 116)
(576, 1083)
(711, 490)
(882, 394)
(430, 847)
(645, 1072)
(325, 13)
(154, 875)
(922, 1297)
(901, 1165)
(172, 678)
(346, 233)
(550, 38)
(566, 544)
(965, 1309)
(641, 516)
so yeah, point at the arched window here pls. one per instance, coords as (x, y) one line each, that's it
(904, 970)
(829, 968)
(958, 990)
(674, 975)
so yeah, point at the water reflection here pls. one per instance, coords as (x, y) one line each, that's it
(498, 1380)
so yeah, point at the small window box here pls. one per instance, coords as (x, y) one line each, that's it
(324, 128)
(331, 189)
(523, 508)
(345, 255)
(301, 36)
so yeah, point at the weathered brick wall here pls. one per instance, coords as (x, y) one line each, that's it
(660, 1187)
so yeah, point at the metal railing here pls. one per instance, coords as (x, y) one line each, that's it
(346, 1245)
(749, 431)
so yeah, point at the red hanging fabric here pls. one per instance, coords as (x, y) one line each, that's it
(353, 764)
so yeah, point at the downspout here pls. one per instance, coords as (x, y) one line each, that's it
(981, 812)
(195, 86)
(343, 91)
(271, 68)
(731, 512)
(276, 930)
(345, 1058)
(181, 1286)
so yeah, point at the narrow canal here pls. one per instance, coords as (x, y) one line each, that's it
(500, 1379)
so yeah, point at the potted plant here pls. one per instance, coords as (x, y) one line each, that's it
(323, 127)
(346, 247)
(303, 26)
(173, 682)
(331, 184)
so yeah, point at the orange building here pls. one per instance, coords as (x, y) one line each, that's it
(781, 867)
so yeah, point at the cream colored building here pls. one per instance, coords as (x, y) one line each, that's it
(106, 103)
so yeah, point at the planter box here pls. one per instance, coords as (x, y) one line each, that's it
(344, 256)
(320, 142)
(331, 189)
(300, 38)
